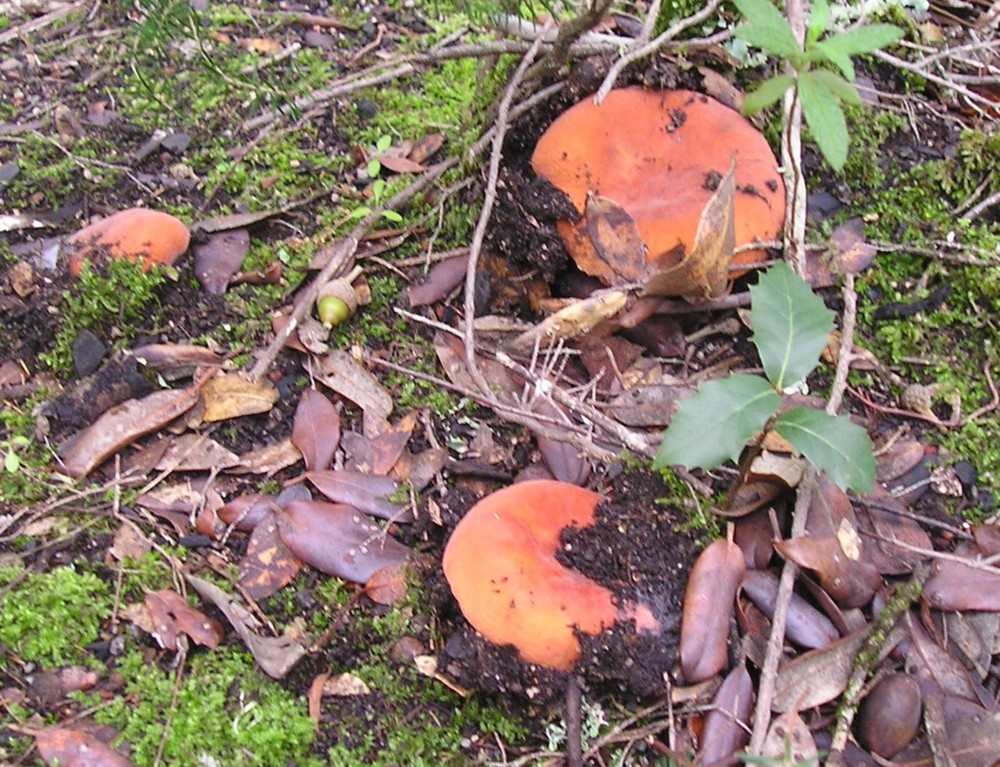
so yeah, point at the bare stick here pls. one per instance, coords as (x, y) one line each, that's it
(643, 46)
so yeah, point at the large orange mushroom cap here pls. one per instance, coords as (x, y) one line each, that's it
(659, 155)
(501, 566)
(136, 234)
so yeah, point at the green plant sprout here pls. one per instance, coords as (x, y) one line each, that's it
(791, 328)
(11, 460)
(818, 87)
(378, 185)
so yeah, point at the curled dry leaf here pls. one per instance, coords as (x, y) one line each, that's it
(789, 740)
(388, 585)
(275, 655)
(365, 492)
(269, 459)
(934, 666)
(316, 430)
(850, 581)
(709, 600)
(121, 425)
(231, 395)
(174, 361)
(616, 239)
(73, 748)
(338, 540)
(247, 511)
(195, 452)
(805, 625)
(886, 521)
(727, 724)
(173, 616)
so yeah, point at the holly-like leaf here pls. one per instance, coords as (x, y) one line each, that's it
(790, 325)
(833, 444)
(713, 425)
(767, 29)
(825, 119)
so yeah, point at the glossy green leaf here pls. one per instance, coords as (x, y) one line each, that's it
(766, 28)
(864, 39)
(715, 424)
(832, 444)
(825, 119)
(790, 325)
(767, 93)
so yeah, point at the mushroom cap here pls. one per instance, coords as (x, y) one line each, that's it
(501, 566)
(136, 234)
(659, 155)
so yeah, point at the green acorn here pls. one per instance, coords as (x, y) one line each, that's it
(337, 300)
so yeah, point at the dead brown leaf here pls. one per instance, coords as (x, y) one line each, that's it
(316, 430)
(617, 241)
(123, 424)
(369, 493)
(705, 271)
(344, 375)
(173, 616)
(219, 257)
(74, 748)
(231, 395)
(268, 565)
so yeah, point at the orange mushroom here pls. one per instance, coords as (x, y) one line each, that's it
(134, 234)
(501, 566)
(659, 155)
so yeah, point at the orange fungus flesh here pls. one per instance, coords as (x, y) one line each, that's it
(501, 566)
(659, 155)
(136, 234)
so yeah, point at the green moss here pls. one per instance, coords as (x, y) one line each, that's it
(122, 294)
(226, 712)
(49, 617)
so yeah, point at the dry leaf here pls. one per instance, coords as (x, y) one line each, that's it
(727, 723)
(130, 543)
(365, 492)
(73, 748)
(338, 540)
(440, 281)
(959, 586)
(705, 271)
(388, 585)
(174, 361)
(316, 430)
(617, 241)
(342, 374)
(275, 655)
(789, 740)
(219, 258)
(269, 459)
(231, 395)
(345, 685)
(173, 616)
(850, 582)
(196, 452)
(268, 565)
(806, 626)
(123, 424)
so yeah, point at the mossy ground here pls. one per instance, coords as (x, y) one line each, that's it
(176, 71)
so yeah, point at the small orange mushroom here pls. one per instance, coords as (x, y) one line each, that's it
(659, 155)
(134, 234)
(500, 563)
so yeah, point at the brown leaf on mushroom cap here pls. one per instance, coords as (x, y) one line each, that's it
(660, 155)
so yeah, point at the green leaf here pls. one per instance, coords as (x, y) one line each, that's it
(864, 39)
(11, 462)
(818, 21)
(714, 424)
(767, 93)
(767, 29)
(374, 168)
(790, 325)
(833, 444)
(825, 119)
(822, 52)
(393, 216)
(383, 143)
(837, 85)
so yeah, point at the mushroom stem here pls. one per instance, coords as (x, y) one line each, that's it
(574, 722)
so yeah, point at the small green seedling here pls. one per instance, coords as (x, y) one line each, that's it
(819, 88)
(11, 460)
(791, 328)
(378, 185)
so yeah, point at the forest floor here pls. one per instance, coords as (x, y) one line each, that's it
(299, 141)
